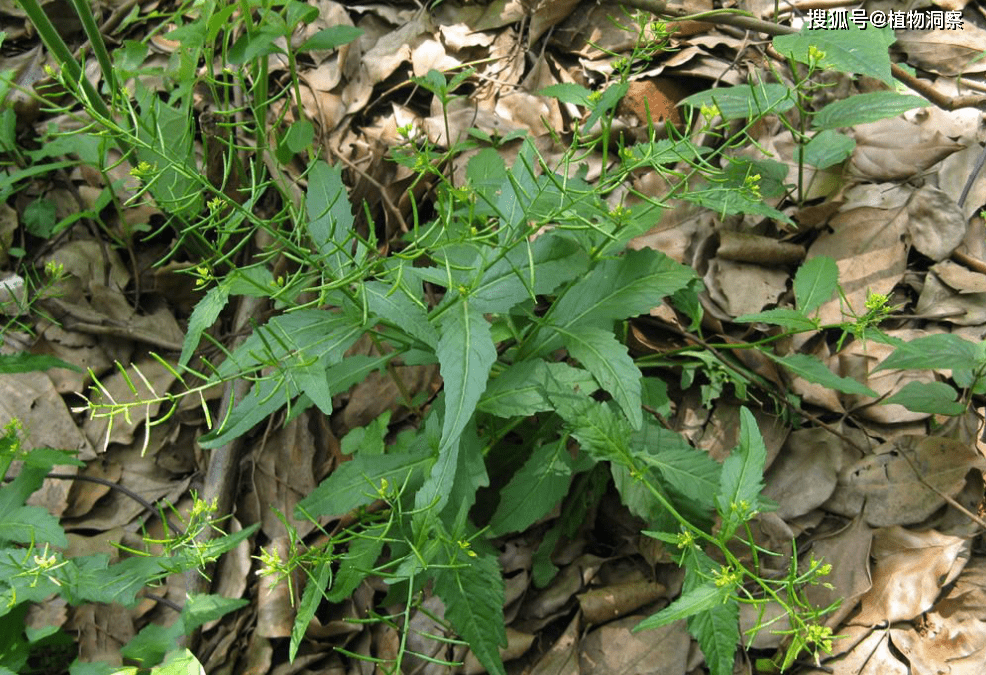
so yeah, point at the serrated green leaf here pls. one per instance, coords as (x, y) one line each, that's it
(203, 317)
(863, 108)
(534, 490)
(813, 370)
(264, 398)
(355, 482)
(726, 200)
(298, 338)
(528, 270)
(741, 480)
(826, 149)
(472, 590)
(943, 351)
(790, 319)
(615, 289)
(815, 282)
(688, 470)
(465, 354)
(202, 608)
(31, 525)
(181, 662)
(522, 389)
(717, 633)
(744, 101)
(602, 355)
(399, 310)
(690, 603)
(598, 428)
(330, 218)
(358, 562)
(716, 629)
(852, 50)
(936, 398)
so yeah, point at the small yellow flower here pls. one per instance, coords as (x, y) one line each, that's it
(467, 548)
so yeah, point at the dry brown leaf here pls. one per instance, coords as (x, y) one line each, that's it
(894, 149)
(562, 658)
(866, 243)
(893, 493)
(284, 474)
(946, 52)
(939, 301)
(805, 473)
(935, 223)
(613, 649)
(848, 551)
(910, 570)
(600, 605)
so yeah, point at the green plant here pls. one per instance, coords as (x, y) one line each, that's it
(33, 568)
(519, 288)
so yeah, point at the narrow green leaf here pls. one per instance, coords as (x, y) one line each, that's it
(311, 598)
(688, 604)
(330, 217)
(741, 480)
(813, 370)
(943, 351)
(358, 562)
(790, 319)
(202, 318)
(465, 354)
(534, 490)
(608, 361)
(615, 289)
(936, 398)
(863, 108)
(355, 482)
(27, 363)
(472, 590)
(815, 283)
